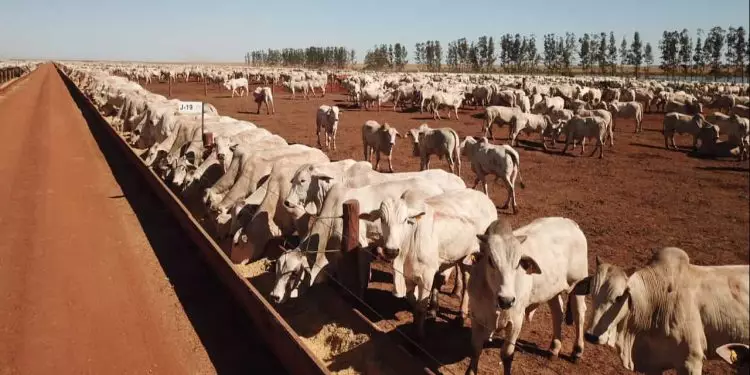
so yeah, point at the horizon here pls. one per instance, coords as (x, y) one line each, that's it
(173, 32)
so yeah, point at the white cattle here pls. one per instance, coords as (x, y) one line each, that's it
(688, 108)
(547, 105)
(327, 121)
(237, 83)
(499, 160)
(374, 94)
(451, 100)
(582, 128)
(630, 109)
(298, 86)
(326, 232)
(498, 115)
(682, 124)
(425, 237)
(516, 271)
(443, 142)
(310, 185)
(670, 314)
(379, 139)
(264, 95)
(530, 123)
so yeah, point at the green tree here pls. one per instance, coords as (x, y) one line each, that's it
(624, 54)
(636, 52)
(585, 52)
(713, 48)
(669, 52)
(491, 58)
(686, 50)
(648, 57)
(612, 52)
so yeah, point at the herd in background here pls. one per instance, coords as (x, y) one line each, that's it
(250, 186)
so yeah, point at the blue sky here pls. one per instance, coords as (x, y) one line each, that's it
(190, 30)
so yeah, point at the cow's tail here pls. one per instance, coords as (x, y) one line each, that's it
(457, 152)
(517, 165)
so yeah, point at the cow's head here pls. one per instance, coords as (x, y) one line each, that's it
(390, 133)
(610, 295)
(507, 269)
(292, 269)
(308, 185)
(181, 171)
(466, 144)
(397, 222)
(414, 134)
(333, 113)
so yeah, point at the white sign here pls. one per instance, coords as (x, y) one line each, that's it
(190, 107)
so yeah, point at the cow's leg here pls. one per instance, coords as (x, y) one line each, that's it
(511, 198)
(258, 111)
(456, 112)
(583, 145)
(479, 333)
(509, 345)
(464, 275)
(556, 309)
(578, 304)
(544, 144)
(611, 137)
(567, 143)
(333, 136)
(317, 134)
(390, 161)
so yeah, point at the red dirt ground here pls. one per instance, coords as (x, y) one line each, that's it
(82, 289)
(639, 198)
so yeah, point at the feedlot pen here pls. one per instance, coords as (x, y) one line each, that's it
(640, 197)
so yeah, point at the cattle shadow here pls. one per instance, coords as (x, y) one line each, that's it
(220, 323)
(726, 169)
(387, 305)
(643, 145)
(478, 116)
(349, 106)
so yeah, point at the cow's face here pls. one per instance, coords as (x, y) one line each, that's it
(397, 222)
(333, 113)
(414, 135)
(508, 269)
(390, 134)
(609, 292)
(308, 185)
(291, 270)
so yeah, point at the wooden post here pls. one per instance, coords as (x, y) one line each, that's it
(170, 87)
(355, 274)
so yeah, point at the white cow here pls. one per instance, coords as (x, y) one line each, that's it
(670, 314)
(451, 100)
(443, 142)
(582, 128)
(327, 120)
(237, 83)
(498, 115)
(501, 160)
(264, 95)
(682, 124)
(326, 233)
(630, 109)
(379, 139)
(519, 270)
(425, 237)
(530, 123)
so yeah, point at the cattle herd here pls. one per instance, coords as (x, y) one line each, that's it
(253, 186)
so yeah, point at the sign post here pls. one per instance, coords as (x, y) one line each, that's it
(189, 108)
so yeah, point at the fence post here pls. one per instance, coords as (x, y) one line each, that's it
(355, 272)
(170, 87)
(205, 86)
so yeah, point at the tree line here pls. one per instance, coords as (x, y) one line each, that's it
(719, 51)
(310, 57)
(390, 56)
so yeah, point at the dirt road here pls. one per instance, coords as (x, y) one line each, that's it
(83, 287)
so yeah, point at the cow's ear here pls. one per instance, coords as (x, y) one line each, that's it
(415, 218)
(582, 287)
(598, 261)
(529, 265)
(522, 239)
(370, 216)
(323, 176)
(399, 134)
(483, 238)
